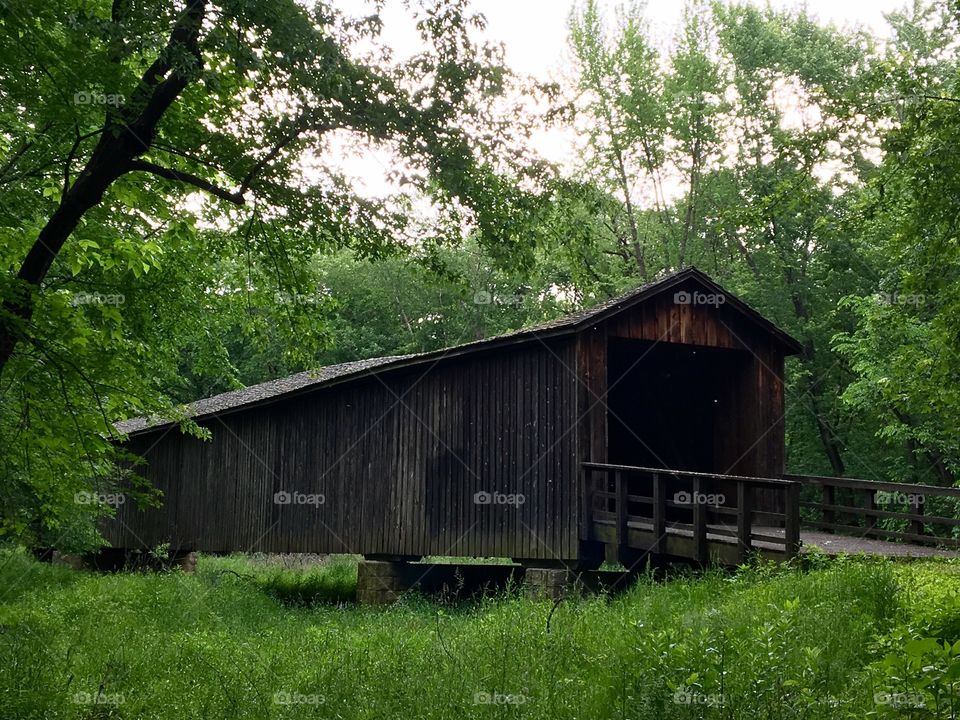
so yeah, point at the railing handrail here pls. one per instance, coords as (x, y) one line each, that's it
(833, 513)
(789, 483)
(773, 482)
(744, 533)
(858, 484)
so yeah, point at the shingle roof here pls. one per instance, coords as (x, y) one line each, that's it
(572, 322)
(261, 391)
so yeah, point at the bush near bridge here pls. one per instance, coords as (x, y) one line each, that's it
(244, 638)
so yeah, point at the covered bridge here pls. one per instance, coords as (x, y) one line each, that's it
(506, 447)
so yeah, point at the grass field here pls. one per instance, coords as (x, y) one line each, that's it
(246, 638)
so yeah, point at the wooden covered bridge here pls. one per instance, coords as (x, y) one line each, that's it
(652, 423)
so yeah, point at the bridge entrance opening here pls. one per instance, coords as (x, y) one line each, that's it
(673, 406)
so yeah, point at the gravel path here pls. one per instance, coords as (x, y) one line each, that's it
(836, 544)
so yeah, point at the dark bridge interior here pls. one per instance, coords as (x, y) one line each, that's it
(671, 405)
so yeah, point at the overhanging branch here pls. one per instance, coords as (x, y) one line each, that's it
(179, 176)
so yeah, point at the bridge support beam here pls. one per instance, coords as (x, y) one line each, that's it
(186, 561)
(381, 582)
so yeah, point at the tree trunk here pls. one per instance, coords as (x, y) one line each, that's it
(124, 138)
(86, 192)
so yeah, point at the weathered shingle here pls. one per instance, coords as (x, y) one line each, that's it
(261, 391)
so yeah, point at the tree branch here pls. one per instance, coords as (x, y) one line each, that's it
(21, 151)
(176, 175)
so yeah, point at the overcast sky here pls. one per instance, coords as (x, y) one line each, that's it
(534, 31)
(534, 36)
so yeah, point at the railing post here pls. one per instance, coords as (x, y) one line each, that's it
(869, 521)
(659, 514)
(916, 526)
(699, 523)
(586, 500)
(621, 491)
(827, 497)
(744, 520)
(791, 529)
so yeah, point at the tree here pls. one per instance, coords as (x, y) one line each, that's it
(904, 349)
(286, 61)
(621, 98)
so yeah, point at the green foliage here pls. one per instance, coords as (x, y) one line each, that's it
(917, 672)
(921, 678)
(905, 350)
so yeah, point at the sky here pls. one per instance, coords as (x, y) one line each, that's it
(534, 37)
(534, 31)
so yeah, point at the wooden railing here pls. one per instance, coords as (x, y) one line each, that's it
(709, 508)
(850, 506)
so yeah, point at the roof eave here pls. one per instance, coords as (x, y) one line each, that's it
(791, 344)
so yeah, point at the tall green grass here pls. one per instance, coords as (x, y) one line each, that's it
(244, 639)
(333, 580)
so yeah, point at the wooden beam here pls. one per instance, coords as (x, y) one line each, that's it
(586, 504)
(869, 503)
(934, 490)
(744, 518)
(828, 498)
(621, 490)
(699, 523)
(916, 525)
(792, 521)
(917, 516)
(659, 513)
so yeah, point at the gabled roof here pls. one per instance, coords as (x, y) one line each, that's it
(568, 324)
